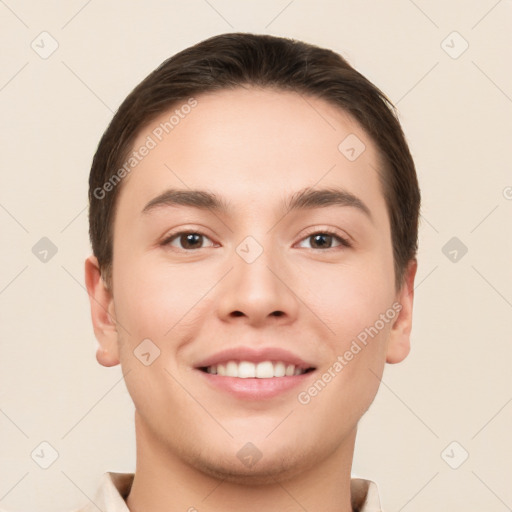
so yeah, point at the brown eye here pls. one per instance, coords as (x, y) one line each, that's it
(325, 240)
(191, 240)
(187, 240)
(321, 241)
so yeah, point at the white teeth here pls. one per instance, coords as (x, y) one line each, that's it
(279, 369)
(232, 369)
(248, 370)
(265, 370)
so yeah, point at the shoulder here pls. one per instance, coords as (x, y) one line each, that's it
(365, 495)
(110, 494)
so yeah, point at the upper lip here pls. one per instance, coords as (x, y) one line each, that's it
(255, 356)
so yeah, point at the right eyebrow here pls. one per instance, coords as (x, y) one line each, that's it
(194, 198)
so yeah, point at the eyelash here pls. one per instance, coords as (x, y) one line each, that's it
(343, 242)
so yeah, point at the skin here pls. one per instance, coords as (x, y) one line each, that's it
(254, 148)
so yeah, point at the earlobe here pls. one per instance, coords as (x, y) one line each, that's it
(105, 358)
(102, 314)
(399, 341)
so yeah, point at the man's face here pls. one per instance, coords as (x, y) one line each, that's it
(278, 290)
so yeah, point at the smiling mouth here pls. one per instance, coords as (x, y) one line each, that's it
(250, 370)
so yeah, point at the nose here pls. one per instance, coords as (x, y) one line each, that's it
(258, 292)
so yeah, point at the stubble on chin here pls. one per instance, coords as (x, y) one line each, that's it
(270, 469)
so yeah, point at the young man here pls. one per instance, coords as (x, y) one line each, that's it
(253, 217)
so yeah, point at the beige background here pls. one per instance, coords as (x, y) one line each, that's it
(456, 384)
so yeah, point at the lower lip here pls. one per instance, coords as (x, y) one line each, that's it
(255, 389)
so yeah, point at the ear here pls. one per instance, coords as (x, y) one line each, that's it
(399, 341)
(102, 313)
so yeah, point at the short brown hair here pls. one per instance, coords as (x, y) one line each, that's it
(234, 60)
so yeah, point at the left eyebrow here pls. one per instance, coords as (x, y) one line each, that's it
(304, 199)
(321, 198)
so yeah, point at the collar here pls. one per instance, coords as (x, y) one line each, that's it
(115, 487)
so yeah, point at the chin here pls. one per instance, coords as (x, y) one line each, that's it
(269, 469)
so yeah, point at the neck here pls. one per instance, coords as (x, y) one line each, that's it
(164, 482)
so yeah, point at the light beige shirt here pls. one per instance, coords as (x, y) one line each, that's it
(115, 487)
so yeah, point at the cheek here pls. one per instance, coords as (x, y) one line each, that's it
(152, 296)
(350, 299)
(357, 305)
(346, 386)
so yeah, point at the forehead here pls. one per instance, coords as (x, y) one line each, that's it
(246, 141)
